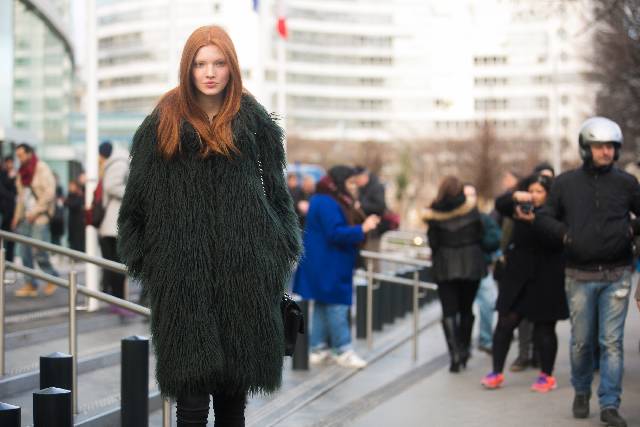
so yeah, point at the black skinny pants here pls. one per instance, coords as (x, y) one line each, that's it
(457, 296)
(544, 338)
(112, 282)
(193, 411)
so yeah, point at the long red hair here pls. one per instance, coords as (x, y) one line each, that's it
(180, 102)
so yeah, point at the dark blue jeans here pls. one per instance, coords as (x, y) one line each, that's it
(38, 232)
(598, 309)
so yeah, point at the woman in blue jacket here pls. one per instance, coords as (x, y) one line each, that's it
(332, 236)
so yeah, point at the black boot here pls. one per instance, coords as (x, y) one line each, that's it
(581, 405)
(466, 328)
(450, 326)
(612, 418)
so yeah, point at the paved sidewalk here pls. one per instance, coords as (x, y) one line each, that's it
(444, 399)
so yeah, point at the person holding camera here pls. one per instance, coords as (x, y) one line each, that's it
(532, 286)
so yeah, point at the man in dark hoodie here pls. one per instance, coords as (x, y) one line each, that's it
(589, 210)
(371, 200)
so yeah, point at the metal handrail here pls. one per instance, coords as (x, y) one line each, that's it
(370, 256)
(392, 257)
(74, 289)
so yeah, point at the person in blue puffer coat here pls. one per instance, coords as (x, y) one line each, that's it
(333, 232)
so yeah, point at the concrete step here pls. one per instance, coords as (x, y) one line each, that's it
(98, 347)
(297, 398)
(98, 397)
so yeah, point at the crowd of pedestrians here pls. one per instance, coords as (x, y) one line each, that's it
(566, 251)
(33, 204)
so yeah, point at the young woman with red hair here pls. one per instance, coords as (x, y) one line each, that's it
(208, 226)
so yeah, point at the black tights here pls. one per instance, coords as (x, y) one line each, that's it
(457, 296)
(544, 338)
(193, 411)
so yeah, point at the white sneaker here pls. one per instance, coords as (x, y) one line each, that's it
(319, 357)
(349, 359)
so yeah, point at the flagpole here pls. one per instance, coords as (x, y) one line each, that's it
(91, 145)
(262, 10)
(282, 69)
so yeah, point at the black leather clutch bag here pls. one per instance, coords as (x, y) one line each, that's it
(293, 321)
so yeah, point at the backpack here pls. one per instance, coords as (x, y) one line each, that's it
(95, 214)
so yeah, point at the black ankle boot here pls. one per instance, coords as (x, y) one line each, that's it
(612, 418)
(581, 405)
(466, 328)
(450, 326)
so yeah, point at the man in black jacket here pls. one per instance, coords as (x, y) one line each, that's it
(589, 210)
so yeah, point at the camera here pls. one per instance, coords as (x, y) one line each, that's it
(526, 207)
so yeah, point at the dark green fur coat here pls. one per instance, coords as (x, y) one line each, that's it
(213, 253)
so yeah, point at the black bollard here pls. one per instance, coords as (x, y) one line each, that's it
(361, 311)
(300, 360)
(134, 382)
(56, 370)
(386, 289)
(377, 309)
(52, 408)
(396, 300)
(9, 415)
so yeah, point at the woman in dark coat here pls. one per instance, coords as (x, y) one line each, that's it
(455, 235)
(76, 226)
(208, 227)
(8, 194)
(532, 286)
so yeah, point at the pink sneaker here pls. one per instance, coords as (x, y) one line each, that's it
(544, 383)
(492, 381)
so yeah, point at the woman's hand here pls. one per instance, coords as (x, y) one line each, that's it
(522, 197)
(521, 216)
(370, 223)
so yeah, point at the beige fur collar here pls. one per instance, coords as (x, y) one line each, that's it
(431, 214)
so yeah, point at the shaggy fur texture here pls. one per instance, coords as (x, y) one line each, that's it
(213, 254)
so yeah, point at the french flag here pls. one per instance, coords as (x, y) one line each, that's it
(282, 19)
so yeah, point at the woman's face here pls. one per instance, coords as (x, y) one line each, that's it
(210, 71)
(538, 194)
(352, 185)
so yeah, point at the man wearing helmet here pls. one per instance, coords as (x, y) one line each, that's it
(589, 210)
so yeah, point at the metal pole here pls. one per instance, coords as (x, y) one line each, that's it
(166, 413)
(2, 271)
(416, 293)
(73, 337)
(91, 100)
(369, 303)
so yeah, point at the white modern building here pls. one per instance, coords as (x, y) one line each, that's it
(365, 69)
(37, 61)
(521, 65)
(340, 63)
